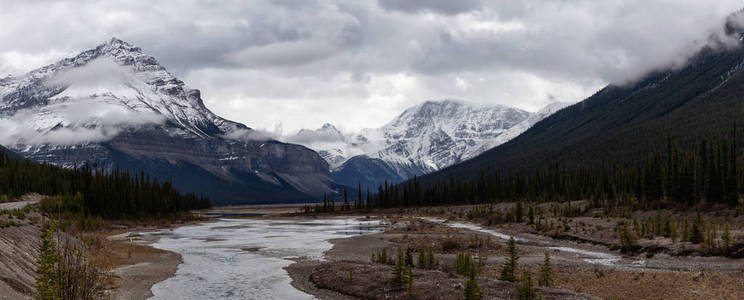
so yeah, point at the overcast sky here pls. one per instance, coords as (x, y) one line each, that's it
(359, 63)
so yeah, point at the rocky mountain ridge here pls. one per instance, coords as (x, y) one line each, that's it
(115, 106)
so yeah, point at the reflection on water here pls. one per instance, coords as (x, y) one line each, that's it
(216, 264)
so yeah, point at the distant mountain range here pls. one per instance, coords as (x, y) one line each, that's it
(424, 138)
(115, 106)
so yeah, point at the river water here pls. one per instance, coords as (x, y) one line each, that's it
(592, 257)
(245, 258)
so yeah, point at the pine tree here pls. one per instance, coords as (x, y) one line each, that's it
(628, 241)
(463, 263)
(47, 284)
(511, 263)
(673, 235)
(472, 290)
(421, 261)
(696, 230)
(526, 290)
(518, 212)
(409, 282)
(430, 263)
(726, 238)
(359, 194)
(409, 257)
(346, 199)
(531, 215)
(546, 272)
(398, 279)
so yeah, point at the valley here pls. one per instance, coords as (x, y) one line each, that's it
(433, 150)
(584, 262)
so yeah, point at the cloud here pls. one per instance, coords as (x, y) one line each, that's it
(252, 135)
(322, 135)
(99, 72)
(290, 53)
(446, 7)
(80, 122)
(358, 63)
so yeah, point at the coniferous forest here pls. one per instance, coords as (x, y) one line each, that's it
(95, 192)
(668, 177)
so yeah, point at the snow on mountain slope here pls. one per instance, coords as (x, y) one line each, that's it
(117, 79)
(424, 138)
(515, 130)
(436, 134)
(114, 105)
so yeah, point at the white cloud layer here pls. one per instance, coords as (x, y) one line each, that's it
(358, 63)
(80, 122)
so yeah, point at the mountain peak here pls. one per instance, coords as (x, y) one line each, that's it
(331, 129)
(115, 43)
(115, 74)
(442, 102)
(329, 126)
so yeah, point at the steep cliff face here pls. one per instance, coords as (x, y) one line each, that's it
(115, 106)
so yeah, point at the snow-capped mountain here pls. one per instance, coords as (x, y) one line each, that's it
(515, 130)
(437, 134)
(114, 105)
(424, 138)
(334, 146)
(112, 76)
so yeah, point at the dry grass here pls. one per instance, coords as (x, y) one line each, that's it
(616, 284)
(84, 268)
(124, 253)
(371, 281)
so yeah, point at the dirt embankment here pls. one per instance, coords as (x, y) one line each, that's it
(19, 250)
(20, 239)
(136, 265)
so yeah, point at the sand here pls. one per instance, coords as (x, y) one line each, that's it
(140, 266)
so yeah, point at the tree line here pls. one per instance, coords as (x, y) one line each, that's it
(95, 191)
(710, 173)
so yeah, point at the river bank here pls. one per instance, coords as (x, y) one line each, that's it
(579, 273)
(233, 258)
(139, 265)
(584, 267)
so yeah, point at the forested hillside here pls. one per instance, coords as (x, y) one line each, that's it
(669, 138)
(94, 192)
(625, 124)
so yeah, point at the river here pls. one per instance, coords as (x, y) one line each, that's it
(592, 257)
(245, 258)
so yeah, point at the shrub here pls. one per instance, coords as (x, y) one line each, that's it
(628, 241)
(381, 257)
(450, 244)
